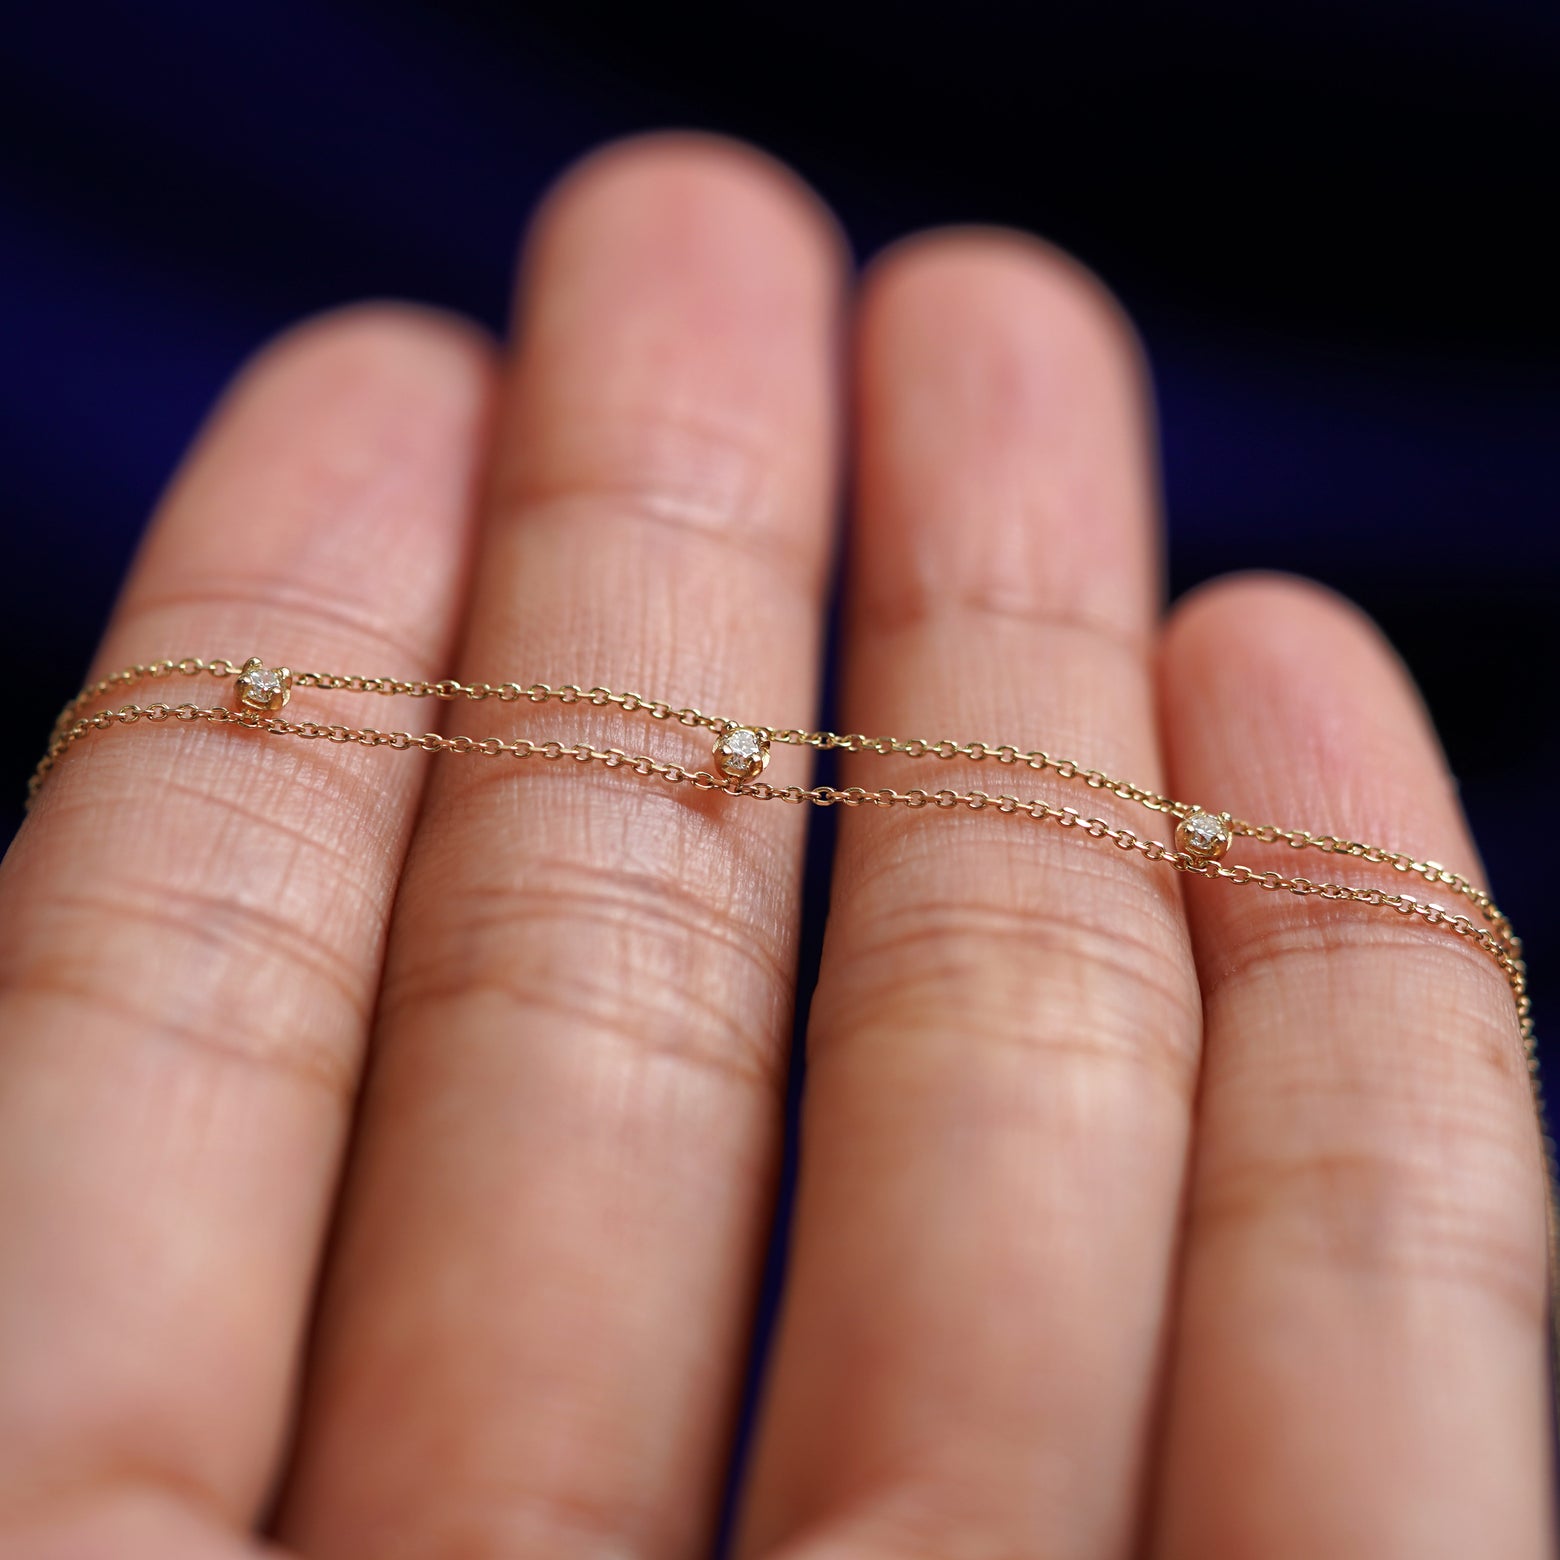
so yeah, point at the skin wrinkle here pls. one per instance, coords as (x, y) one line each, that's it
(232, 828)
(909, 613)
(500, 1520)
(664, 455)
(1369, 1212)
(645, 905)
(216, 923)
(1087, 870)
(628, 902)
(1071, 970)
(775, 557)
(348, 861)
(898, 1518)
(292, 611)
(368, 808)
(727, 1055)
(317, 772)
(217, 920)
(640, 818)
(619, 1009)
(1006, 1106)
(323, 1068)
(745, 600)
(110, 1480)
(1267, 951)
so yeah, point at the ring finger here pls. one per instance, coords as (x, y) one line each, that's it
(1004, 1036)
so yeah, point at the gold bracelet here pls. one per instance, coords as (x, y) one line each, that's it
(741, 753)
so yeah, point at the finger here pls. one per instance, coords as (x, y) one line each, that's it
(1004, 1034)
(191, 925)
(539, 1303)
(1360, 1363)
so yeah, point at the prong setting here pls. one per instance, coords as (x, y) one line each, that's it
(1204, 836)
(261, 687)
(742, 752)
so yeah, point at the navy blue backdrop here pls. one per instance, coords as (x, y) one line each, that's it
(1327, 220)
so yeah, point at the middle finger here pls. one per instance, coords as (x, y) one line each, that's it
(547, 1256)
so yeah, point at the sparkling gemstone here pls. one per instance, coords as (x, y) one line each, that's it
(1204, 835)
(259, 685)
(741, 752)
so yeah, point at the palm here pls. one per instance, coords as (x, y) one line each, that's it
(1201, 1222)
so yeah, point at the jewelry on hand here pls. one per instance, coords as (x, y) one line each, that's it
(741, 753)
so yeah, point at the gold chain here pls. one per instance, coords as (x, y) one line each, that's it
(741, 753)
(263, 692)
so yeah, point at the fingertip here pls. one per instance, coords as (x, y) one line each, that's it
(704, 176)
(1215, 604)
(1005, 271)
(1286, 636)
(1004, 447)
(1294, 694)
(376, 347)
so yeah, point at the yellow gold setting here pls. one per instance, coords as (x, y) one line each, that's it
(260, 688)
(1204, 836)
(742, 752)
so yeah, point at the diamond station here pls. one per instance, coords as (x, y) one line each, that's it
(1204, 835)
(741, 753)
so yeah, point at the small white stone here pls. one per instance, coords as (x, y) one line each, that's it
(264, 683)
(1203, 834)
(740, 752)
(259, 686)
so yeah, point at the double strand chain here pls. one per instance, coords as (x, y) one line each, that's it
(741, 752)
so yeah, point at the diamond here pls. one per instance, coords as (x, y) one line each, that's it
(260, 687)
(741, 753)
(1204, 835)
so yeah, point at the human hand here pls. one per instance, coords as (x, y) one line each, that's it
(1136, 1212)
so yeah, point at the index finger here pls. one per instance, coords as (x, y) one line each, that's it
(191, 923)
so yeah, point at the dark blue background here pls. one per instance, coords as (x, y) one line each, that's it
(1327, 220)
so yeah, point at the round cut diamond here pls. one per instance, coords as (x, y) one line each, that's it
(261, 688)
(1204, 835)
(741, 753)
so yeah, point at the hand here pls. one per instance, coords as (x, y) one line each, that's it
(1134, 1210)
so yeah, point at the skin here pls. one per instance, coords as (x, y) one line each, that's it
(387, 1143)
